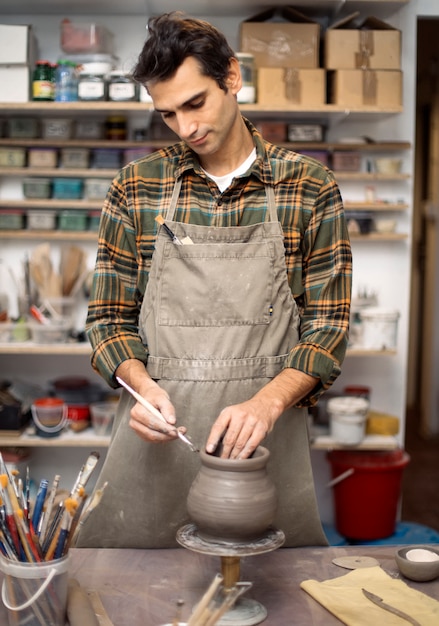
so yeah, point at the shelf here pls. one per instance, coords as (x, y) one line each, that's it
(375, 206)
(325, 111)
(29, 348)
(378, 237)
(87, 439)
(67, 439)
(382, 146)
(84, 143)
(369, 176)
(104, 173)
(363, 352)
(51, 203)
(52, 235)
(58, 172)
(370, 442)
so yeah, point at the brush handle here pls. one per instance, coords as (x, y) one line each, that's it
(149, 407)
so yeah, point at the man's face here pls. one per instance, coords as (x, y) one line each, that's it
(196, 109)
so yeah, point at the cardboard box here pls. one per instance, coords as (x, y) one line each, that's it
(17, 44)
(373, 44)
(293, 42)
(287, 86)
(15, 83)
(381, 88)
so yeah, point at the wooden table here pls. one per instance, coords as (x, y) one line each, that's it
(141, 587)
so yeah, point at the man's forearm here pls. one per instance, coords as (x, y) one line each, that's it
(286, 389)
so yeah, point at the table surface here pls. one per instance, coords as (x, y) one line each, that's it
(141, 587)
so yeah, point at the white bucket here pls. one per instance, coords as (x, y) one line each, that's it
(379, 328)
(348, 416)
(35, 593)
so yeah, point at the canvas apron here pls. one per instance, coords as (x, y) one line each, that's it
(219, 319)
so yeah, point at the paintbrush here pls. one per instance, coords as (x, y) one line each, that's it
(149, 407)
(45, 517)
(171, 234)
(89, 508)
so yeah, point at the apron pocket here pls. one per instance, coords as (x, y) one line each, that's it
(211, 285)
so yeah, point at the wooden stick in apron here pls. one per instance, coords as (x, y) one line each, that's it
(149, 407)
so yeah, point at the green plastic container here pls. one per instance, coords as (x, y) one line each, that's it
(72, 220)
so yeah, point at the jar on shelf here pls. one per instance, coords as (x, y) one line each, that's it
(42, 82)
(116, 128)
(92, 84)
(66, 81)
(121, 88)
(247, 93)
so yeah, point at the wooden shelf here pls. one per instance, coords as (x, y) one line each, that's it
(375, 206)
(378, 237)
(363, 352)
(57, 172)
(52, 235)
(30, 348)
(370, 442)
(110, 173)
(67, 439)
(61, 108)
(369, 176)
(51, 203)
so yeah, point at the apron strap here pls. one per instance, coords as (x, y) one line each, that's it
(269, 192)
(173, 204)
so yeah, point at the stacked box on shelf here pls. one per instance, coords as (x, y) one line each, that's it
(286, 56)
(363, 62)
(17, 59)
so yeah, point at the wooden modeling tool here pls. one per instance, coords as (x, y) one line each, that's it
(149, 407)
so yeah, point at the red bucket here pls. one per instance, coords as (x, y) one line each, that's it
(366, 501)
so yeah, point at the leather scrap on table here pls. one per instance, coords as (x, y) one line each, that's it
(344, 598)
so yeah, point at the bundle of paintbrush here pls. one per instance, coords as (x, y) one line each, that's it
(216, 601)
(44, 531)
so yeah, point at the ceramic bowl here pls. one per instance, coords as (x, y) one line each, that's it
(412, 562)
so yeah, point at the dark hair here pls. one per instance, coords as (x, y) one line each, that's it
(172, 38)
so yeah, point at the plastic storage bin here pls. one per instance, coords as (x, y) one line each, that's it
(23, 127)
(85, 38)
(37, 187)
(42, 157)
(57, 128)
(89, 129)
(11, 219)
(56, 332)
(74, 157)
(14, 331)
(67, 188)
(106, 158)
(72, 220)
(12, 157)
(41, 220)
(96, 188)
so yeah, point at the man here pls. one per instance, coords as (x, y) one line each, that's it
(230, 334)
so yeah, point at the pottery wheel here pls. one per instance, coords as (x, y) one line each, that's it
(188, 537)
(245, 611)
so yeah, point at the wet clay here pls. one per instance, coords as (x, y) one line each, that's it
(231, 500)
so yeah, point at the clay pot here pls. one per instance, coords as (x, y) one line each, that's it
(231, 500)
